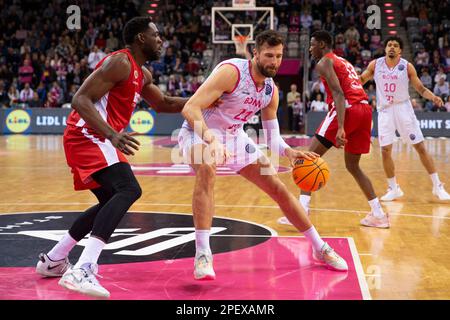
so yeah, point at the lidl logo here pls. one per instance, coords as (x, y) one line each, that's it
(142, 122)
(18, 121)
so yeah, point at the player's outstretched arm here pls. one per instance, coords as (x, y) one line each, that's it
(367, 75)
(113, 70)
(222, 81)
(157, 100)
(420, 88)
(272, 132)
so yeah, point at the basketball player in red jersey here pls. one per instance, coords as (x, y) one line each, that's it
(347, 124)
(95, 145)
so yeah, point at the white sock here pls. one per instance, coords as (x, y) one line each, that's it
(313, 237)
(435, 178)
(304, 201)
(202, 240)
(392, 183)
(91, 252)
(62, 248)
(377, 210)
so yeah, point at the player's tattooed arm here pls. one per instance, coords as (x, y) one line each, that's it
(420, 88)
(367, 75)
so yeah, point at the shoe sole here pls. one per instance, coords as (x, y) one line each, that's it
(48, 275)
(388, 200)
(69, 286)
(205, 278)
(379, 227)
(335, 269)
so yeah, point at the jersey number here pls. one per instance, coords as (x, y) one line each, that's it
(243, 115)
(390, 87)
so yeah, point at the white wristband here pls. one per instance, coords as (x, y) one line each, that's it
(273, 138)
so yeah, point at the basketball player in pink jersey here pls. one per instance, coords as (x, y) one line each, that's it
(347, 124)
(392, 76)
(211, 136)
(95, 145)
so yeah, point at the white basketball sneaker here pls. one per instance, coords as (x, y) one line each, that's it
(332, 260)
(203, 266)
(440, 192)
(371, 221)
(83, 280)
(392, 194)
(49, 268)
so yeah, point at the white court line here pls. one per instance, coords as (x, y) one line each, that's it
(359, 270)
(141, 203)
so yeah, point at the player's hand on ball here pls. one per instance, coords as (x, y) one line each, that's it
(293, 155)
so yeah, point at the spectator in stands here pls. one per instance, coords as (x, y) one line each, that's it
(306, 19)
(441, 88)
(426, 78)
(329, 24)
(340, 47)
(13, 95)
(352, 34)
(192, 67)
(42, 94)
(422, 58)
(371, 93)
(3, 95)
(447, 104)
(440, 74)
(26, 95)
(54, 96)
(25, 73)
(112, 42)
(318, 104)
(95, 57)
(297, 112)
(375, 40)
(292, 96)
(198, 47)
(185, 87)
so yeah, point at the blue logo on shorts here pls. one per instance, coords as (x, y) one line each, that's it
(401, 67)
(268, 89)
(250, 148)
(412, 136)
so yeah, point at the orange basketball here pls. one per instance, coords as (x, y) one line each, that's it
(310, 175)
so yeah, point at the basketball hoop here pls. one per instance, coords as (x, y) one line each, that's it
(240, 42)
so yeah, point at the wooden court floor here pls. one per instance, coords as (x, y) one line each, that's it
(408, 261)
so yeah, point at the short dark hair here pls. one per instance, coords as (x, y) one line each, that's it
(323, 35)
(133, 27)
(271, 37)
(394, 38)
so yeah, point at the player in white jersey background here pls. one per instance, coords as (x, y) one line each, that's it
(213, 136)
(392, 75)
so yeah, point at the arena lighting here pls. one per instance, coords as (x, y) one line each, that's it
(388, 4)
(391, 25)
(392, 32)
(390, 17)
(389, 11)
(154, 5)
(151, 11)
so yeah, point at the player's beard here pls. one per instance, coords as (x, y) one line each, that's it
(266, 72)
(152, 54)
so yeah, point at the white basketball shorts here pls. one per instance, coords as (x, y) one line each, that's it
(398, 117)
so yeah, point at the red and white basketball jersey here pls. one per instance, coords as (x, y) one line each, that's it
(348, 79)
(392, 84)
(241, 103)
(117, 105)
